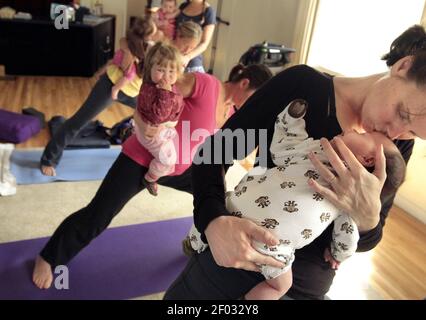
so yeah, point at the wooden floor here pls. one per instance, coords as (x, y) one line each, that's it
(53, 96)
(399, 261)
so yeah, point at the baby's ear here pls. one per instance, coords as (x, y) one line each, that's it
(368, 161)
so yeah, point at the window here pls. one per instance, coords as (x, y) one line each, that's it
(351, 36)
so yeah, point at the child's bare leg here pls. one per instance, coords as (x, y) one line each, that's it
(271, 289)
(42, 274)
(48, 171)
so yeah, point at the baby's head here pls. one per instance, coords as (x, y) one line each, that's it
(364, 147)
(188, 36)
(163, 62)
(168, 6)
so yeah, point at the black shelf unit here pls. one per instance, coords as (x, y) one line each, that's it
(36, 47)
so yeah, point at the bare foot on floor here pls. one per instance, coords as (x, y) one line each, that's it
(42, 274)
(48, 171)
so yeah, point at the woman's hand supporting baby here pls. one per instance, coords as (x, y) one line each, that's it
(353, 189)
(227, 230)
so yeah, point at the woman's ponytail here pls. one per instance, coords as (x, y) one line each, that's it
(257, 74)
(410, 43)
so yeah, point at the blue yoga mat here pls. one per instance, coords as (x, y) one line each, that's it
(76, 165)
(122, 263)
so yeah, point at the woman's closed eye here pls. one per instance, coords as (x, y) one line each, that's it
(404, 114)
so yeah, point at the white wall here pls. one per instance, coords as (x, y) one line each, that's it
(252, 22)
(117, 8)
(135, 8)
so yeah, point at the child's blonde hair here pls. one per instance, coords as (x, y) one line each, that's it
(161, 54)
(189, 30)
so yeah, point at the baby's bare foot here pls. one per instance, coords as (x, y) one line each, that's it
(48, 171)
(42, 274)
(152, 187)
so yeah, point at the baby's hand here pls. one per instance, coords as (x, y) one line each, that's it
(329, 258)
(114, 93)
(163, 84)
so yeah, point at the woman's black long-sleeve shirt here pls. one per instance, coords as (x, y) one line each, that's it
(312, 276)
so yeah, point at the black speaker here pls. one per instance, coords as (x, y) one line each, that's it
(271, 55)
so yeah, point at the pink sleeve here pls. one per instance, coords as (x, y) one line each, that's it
(131, 72)
(118, 58)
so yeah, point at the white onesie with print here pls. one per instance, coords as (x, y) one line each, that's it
(282, 201)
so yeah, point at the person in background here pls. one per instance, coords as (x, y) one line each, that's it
(159, 105)
(188, 37)
(203, 96)
(202, 13)
(120, 80)
(165, 18)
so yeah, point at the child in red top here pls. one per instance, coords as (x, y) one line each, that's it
(159, 104)
(165, 18)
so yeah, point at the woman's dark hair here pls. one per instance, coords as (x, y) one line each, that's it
(257, 74)
(411, 42)
(141, 28)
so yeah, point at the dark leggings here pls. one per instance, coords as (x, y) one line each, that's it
(98, 100)
(203, 279)
(122, 183)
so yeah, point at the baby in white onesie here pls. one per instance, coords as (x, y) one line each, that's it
(281, 200)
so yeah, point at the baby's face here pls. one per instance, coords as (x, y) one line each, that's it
(168, 6)
(167, 72)
(364, 145)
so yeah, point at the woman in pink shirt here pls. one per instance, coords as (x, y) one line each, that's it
(206, 100)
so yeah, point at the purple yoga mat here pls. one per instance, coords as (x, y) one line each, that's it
(122, 263)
